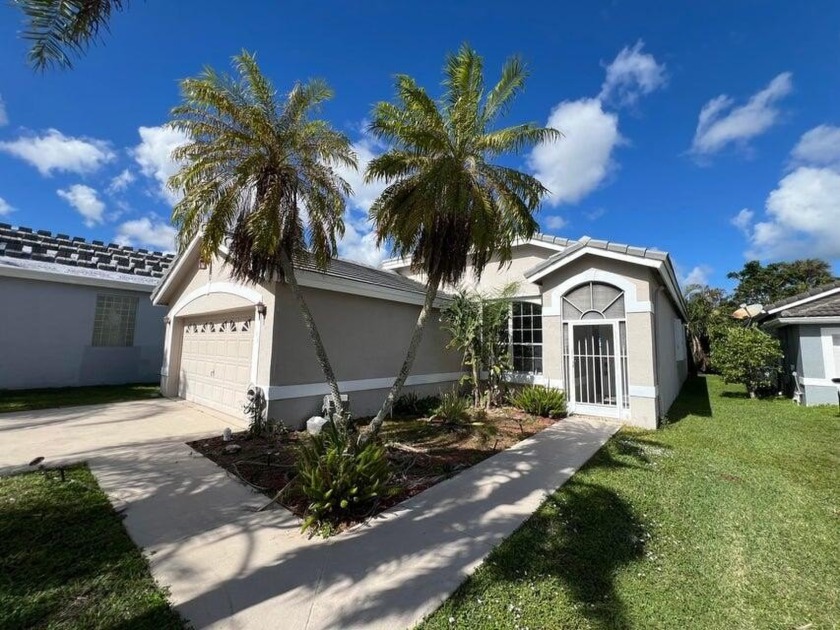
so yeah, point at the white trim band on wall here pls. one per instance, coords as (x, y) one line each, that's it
(817, 382)
(644, 391)
(283, 392)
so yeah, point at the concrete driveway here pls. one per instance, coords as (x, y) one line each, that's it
(228, 566)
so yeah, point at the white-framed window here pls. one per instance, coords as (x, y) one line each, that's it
(526, 337)
(114, 321)
(831, 351)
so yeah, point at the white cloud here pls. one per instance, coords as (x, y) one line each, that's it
(4, 117)
(5, 207)
(818, 147)
(802, 217)
(121, 181)
(594, 215)
(53, 151)
(359, 244)
(555, 222)
(363, 194)
(154, 155)
(632, 74)
(721, 123)
(698, 275)
(578, 163)
(153, 233)
(743, 220)
(86, 201)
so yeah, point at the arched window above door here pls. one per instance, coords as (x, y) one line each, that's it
(593, 300)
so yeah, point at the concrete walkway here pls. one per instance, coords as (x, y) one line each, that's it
(230, 567)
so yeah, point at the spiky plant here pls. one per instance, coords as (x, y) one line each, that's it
(260, 173)
(447, 203)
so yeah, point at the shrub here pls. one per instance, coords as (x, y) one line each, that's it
(453, 410)
(748, 356)
(541, 401)
(411, 404)
(342, 481)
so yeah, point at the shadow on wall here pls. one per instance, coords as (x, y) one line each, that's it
(692, 401)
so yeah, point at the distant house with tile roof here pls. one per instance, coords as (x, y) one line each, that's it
(808, 326)
(75, 312)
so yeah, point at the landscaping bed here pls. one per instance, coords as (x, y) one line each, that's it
(422, 452)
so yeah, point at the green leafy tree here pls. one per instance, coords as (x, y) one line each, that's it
(476, 323)
(749, 356)
(759, 284)
(61, 29)
(447, 204)
(708, 317)
(251, 166)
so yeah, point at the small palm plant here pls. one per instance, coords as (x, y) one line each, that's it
(447, 203)
(260, 174)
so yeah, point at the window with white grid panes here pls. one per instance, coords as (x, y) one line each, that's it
(525, 331)
(115, 318)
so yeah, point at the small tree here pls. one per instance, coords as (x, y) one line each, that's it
(749, 356)
(476, 322)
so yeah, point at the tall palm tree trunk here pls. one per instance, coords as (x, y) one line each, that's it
(411, 353)
(309, 322)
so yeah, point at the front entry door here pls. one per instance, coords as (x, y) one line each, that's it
(595, 369)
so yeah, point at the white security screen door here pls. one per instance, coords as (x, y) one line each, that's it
(597, 384)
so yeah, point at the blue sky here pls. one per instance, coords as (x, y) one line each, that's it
(710, 130)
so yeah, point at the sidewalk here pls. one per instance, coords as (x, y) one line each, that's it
(230, 567)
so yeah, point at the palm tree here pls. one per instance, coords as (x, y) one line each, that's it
(447, 204)
(59, 28)
(261, 175)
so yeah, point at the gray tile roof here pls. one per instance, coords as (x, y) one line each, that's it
(349, 270)
(586, 241)
(23, 247)
(823, 307)
(801, 296)
(556, 240)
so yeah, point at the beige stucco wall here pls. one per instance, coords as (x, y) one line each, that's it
(215, 276)
(494, 277)
(672, 369)
(365, 338)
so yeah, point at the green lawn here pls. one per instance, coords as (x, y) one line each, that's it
(727, 518)
(67, 562)
(28, 399)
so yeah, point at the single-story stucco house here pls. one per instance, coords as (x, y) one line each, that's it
(808, 326)
(603, 321)
(76, 313)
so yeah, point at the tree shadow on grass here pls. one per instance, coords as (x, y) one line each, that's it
(693, 400)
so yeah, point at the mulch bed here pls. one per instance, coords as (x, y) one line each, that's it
(421, 451)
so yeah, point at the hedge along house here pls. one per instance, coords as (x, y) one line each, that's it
(76, 313)
(808, 326)
(223, 335)
(603, 321)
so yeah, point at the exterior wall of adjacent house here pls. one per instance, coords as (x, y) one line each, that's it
(811, 348)
(494, 277)
(46, 337)
(365, 339)
(213, 290)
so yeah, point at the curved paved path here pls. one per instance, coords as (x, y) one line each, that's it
(230, 567)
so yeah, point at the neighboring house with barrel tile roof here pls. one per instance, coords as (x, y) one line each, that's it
(808, 326)
(76, 312)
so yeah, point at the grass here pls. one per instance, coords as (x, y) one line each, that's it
(729, 517)
(29, 399)
(67, 562)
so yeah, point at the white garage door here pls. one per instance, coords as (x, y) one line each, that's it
(216, 361)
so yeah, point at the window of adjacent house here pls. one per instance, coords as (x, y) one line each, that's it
(835, 339)
(526, 337)
(113, 324)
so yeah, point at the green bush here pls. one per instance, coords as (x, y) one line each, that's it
(411, 404)
(748, 356)
(453, 409)
(540, 401)
(342, 481)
